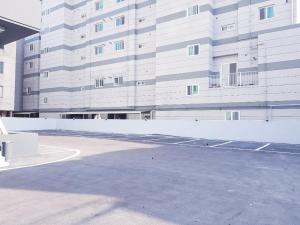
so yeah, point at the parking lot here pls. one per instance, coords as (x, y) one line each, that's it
(98, 178)
(185, 141)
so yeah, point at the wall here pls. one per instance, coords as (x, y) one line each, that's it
(19, 124)
(19, 76)
(281, 131)
(21, 145)
(7, 79)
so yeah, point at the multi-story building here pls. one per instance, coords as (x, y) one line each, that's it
(7, 79)
(31, 77)
(209, 59)
(15, 23)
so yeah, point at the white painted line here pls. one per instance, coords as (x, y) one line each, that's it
(225, 143)
(262, 147)
(181, 142)
(76, 153)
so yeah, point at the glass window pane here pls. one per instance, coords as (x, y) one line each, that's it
(262, 13)
(195, 89)
(196, 50)
(270, 12)
(228, 115)
(235, 115)
(189, 90)
(191, 50)
(233, 68)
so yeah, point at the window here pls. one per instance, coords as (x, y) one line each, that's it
(1, 67)
(31, 47)
(46, 74)
(48, 11)
(140, 83)
(229, 74)
(28, 90)
(30, 64)
(194, 10)
(1, 91)
(99, 83)
(119, 45)
(118, 81)
(141, 19)
(99, 27)
(232, 116)
(193, 50)
(228, 27)
(120, 21)
(266, 12)
(45, 100)
(99, 50)
(99, 5)
(192, 90)
(141, 45)
(118, 1)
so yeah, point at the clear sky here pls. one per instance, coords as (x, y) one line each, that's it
(27, 11)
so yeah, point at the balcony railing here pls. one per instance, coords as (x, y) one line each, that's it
(234, 79)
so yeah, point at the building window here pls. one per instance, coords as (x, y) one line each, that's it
(119, 45)
(48, 11)
(194, 10)
(31, 47)
(193, 50)
(46, 74)
(99, 27)
(99, 83)
(118, 81)
(228, 27)
(1, 67)
(232, 116)
(99, 50)
(28, 90)
(45, 100)
(140, 83)
(99, 5)
(1, 91)
(120, 21)
(229, 74)
(30, 64)
(266, 12)
(46, 50)
(118, 1)
(192, 90)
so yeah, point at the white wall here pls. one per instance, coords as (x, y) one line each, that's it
(275, 131)
(20, 124)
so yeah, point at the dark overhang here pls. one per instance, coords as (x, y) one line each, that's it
(11, 31)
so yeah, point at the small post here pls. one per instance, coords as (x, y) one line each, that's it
(7, 150)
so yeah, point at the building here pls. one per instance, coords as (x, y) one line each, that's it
(234, 59)
(15, 23)
(31, 77)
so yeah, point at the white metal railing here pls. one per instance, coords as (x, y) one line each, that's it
(234, 79)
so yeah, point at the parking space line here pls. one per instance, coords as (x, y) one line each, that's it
(217, 145)
(182, 142)
(76, 153)
(262, 147)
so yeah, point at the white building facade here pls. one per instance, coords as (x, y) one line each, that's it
(7, 79)
(234, 59)
(15, 24)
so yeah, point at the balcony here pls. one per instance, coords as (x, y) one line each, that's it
(248, 78)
